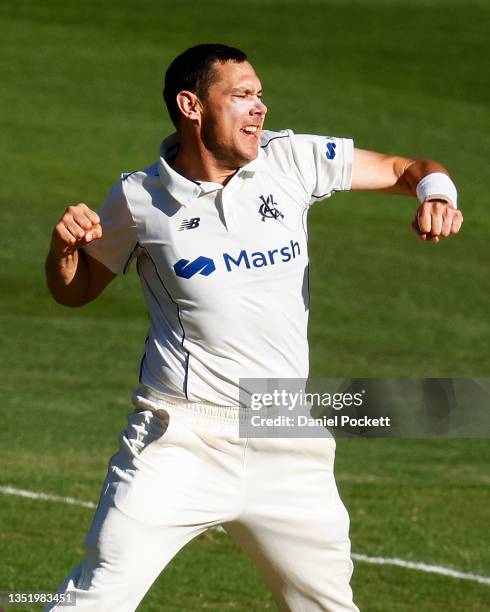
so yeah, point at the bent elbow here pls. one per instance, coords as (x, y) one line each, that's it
(66, 299)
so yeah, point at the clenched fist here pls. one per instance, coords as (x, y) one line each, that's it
(77, 227)
(74, 278)
(436, 219)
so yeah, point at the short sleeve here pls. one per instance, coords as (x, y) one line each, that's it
(119, 239)
(325, 163)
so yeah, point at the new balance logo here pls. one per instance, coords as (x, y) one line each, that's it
(189, 223)
(202, 265)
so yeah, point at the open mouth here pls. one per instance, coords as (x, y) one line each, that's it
(253, 131)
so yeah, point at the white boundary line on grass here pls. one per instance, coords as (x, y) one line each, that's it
(57, 498)
(421, 567)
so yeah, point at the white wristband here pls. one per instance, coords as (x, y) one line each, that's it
(437, 184)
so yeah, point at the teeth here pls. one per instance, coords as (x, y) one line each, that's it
(250, 128)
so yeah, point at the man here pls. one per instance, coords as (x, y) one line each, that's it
(218, 228)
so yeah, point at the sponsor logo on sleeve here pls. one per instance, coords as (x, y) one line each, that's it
(331, 146)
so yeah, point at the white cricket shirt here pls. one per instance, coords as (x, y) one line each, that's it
(224, 270)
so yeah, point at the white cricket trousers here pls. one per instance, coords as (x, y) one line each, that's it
(181, 469)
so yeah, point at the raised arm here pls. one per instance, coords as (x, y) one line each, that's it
(73, 277)
(437, 216)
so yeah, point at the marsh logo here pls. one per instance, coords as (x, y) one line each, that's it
(187, 269)
(244, 259)
(331, 150)
(262, 259)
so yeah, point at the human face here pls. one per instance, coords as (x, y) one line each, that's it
(233, 115)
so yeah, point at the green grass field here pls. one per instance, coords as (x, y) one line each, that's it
(80, 102)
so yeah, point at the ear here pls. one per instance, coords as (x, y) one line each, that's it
(189, 105)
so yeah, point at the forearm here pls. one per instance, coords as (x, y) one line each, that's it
(67, 276)
(374, 171)
(411, 172)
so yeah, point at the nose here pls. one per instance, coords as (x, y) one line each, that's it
(259, 108)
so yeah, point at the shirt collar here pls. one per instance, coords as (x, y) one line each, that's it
(254, 165)
(184, 190)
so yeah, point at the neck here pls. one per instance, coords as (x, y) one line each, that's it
(197, 165)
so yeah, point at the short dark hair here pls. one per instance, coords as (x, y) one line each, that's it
(193, 71)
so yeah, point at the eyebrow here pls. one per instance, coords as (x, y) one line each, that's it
(245, 89)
